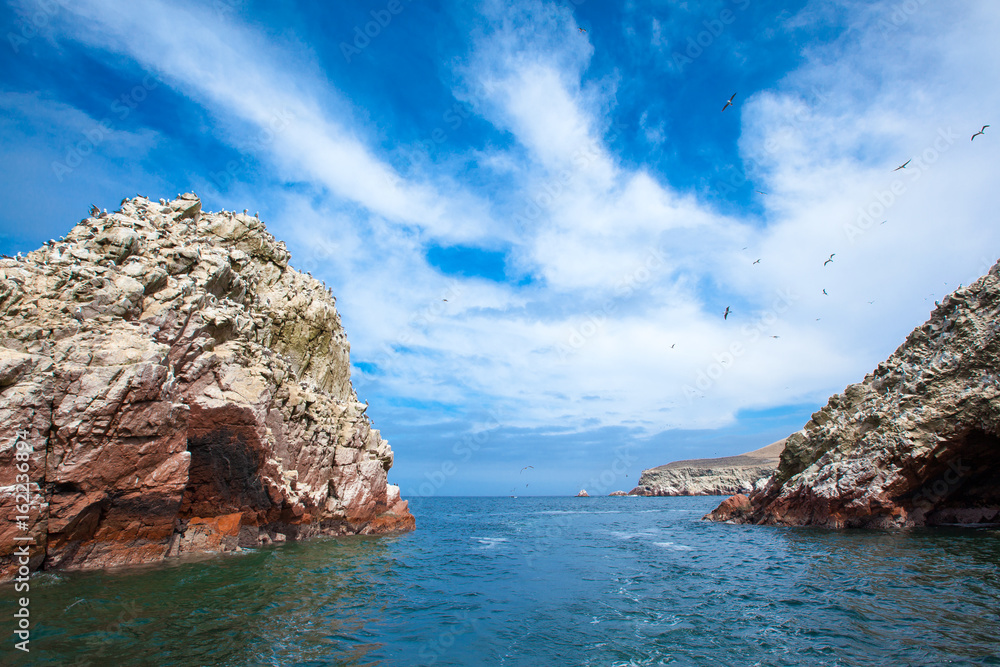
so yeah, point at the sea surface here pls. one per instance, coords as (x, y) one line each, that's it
(542, 581)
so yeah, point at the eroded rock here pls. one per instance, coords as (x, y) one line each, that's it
(181, 389)
(916, 443)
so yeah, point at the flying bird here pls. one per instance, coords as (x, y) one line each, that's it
(582, 29)
(759, 192)
(725, 314)
(829, 260)
(730, 102)
(757, 262)
(824, 292)
(982, 131)
(673, 346)
(903, 166)
(94, 211)
(775, 336)
(525, 468)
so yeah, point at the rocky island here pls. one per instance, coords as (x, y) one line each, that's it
(916, 443)
(170, 385)
(710, 477)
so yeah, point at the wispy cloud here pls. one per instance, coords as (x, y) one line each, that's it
(618, 276)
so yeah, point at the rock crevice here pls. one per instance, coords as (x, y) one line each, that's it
(181, 389)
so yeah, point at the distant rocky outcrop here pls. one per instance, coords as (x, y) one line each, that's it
(583, 494)
(169, 384)
(617, 493)
(710, 477)
(916, 443)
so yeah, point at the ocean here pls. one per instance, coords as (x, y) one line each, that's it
(541, 581)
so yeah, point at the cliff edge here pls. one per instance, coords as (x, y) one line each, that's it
(169, 385)
(916, 443)
(710, 477)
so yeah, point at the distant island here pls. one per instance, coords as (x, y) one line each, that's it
(722, 476)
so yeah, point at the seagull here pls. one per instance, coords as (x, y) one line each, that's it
(757, 262)
(829, 260)
(759, 192)
(673, 346)
(726, 314)
(94, 211)
(883, 222)
(824, 291)
(871, 302)
(730, 102)
(525, 468)
(903, 166)
(775, 336)
(982, 131)
(582, 29)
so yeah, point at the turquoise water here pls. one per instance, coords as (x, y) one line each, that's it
(543, 581)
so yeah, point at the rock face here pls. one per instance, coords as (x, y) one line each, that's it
(583, 494)
(710, 477)
(169, 385)
(916, 443)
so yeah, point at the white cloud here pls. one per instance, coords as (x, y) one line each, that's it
(627, 266)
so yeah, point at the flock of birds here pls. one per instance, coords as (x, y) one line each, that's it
(729, 103)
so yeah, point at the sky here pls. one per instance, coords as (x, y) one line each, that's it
(535, 215)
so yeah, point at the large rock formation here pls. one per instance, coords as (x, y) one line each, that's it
(168, 384)
(710, 477)
(916, 443)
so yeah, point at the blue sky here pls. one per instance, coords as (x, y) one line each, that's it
(533, 230)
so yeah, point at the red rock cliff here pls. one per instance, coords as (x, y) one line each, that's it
(180, 389)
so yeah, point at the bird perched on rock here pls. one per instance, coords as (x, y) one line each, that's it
(729, 103)
(94, 211)
(982, 131)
